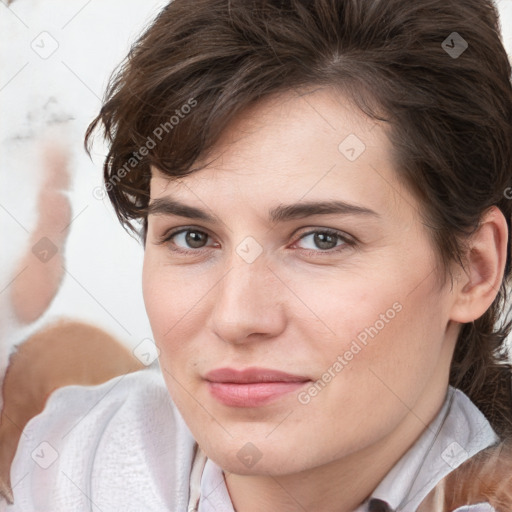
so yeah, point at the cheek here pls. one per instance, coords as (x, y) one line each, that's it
(173, 302)
(346, 309)
(154, 294)
(373, 366)
(400, 349)
(373, 329)
(171, 297)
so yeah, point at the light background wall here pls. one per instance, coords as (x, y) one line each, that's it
(59, 94)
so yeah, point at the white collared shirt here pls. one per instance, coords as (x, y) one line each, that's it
(123, 445)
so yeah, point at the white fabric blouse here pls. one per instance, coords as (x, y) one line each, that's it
(123, 446)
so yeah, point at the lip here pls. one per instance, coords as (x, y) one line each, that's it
(252, 375)
(251, 387)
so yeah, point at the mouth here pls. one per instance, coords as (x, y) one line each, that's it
(251, 387)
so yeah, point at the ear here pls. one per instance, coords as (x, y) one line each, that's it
(486, 255)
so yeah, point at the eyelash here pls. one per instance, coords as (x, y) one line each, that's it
(348, 242)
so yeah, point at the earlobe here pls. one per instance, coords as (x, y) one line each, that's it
(486, 255)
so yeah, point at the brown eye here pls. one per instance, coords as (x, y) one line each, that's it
(195, 239)
(185, 240)
(325, 240)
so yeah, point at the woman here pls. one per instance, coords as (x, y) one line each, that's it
(323, 190)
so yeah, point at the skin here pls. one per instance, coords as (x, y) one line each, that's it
(296, 312)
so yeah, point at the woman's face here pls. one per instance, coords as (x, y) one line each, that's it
(354, 315)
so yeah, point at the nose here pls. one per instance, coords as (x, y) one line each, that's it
(248, 303)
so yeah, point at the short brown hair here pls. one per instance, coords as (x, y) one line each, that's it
(435, 70)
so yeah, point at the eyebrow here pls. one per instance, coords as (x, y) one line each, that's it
(280, 213)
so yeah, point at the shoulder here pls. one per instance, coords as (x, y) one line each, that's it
(96, 444)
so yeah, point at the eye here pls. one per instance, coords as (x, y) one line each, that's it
(326, 240)
(184, 238)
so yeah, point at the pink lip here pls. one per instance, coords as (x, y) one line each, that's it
(251, 387)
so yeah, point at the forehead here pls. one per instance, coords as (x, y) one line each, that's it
(293, 147)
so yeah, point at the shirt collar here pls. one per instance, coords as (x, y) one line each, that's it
(214, 493)
(458, 432)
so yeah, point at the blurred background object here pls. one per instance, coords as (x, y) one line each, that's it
(71, 307)
(56, 57)
(60, 354)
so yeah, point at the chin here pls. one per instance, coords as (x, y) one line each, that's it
(261, 457)
(269, 466)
